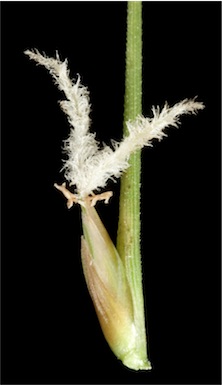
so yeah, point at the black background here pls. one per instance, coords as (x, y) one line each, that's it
(50, 333)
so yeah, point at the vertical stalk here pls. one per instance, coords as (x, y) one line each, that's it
(128, 236)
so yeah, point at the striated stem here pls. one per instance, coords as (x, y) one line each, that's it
(128, 237)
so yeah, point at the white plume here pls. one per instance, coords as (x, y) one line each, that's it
(88, 167)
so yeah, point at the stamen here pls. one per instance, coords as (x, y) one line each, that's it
(100, 197)
(91, 199)
(71, 198)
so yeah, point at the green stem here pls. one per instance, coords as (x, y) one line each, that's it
(128, 236)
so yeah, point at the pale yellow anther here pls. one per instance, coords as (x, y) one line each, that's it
(71, 198)
(90, 199)
(105, 196)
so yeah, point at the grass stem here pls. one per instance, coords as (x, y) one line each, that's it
(128, 236)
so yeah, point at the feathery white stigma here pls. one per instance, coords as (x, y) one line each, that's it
(89, 166)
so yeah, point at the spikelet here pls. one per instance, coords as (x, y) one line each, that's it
(110, 292)
(89, 166)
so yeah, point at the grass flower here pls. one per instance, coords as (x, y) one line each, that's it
(88, 167)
